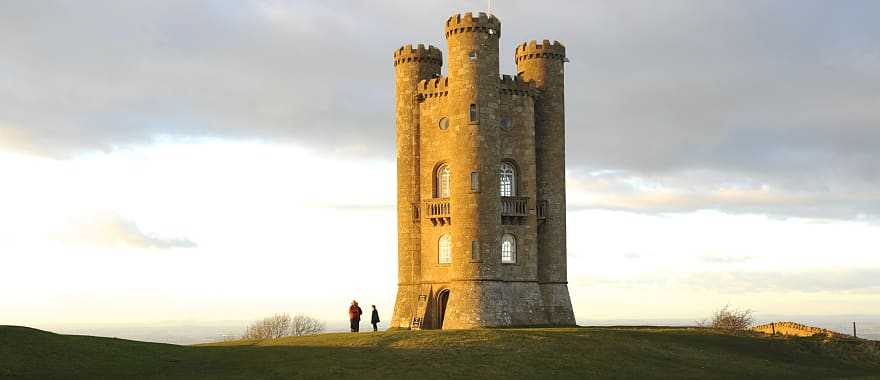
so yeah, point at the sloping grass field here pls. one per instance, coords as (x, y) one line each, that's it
(584, 352)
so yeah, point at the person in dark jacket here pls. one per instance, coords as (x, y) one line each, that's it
(354, 315)
(375, 319)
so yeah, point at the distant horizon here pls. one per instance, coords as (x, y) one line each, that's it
(181, 332)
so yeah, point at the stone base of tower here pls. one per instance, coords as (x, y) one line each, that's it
(476, 304)
(479, 304)
(557, 304)
(404, 306)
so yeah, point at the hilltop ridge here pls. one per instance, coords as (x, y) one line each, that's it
(578, 352)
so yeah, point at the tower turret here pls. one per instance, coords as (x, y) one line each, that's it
(473, 108)
(411, 65)
(543, 64)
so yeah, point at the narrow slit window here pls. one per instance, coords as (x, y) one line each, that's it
(473, 113)
(475, 181)
(475, 250)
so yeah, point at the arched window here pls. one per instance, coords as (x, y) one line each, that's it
(473, 113)
(444, 249)
(508, 249)
(443, 181)
(507, 180)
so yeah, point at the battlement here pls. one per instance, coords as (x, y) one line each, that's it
(432, 88)
(546, 50)
(407, 53)
(514, 85)
(483, 23)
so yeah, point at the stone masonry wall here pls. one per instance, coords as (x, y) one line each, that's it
(792, 328)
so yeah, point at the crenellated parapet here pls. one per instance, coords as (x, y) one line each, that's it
(545, 50)
(433, 88)
(467, 23)
(407, 53)
(514, 85)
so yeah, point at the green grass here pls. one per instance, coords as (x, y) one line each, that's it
(587, 352)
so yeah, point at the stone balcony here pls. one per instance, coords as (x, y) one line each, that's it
(438, 211)
(514, 210)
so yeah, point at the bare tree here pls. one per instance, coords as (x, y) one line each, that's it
(727, 318)
(280, 325)
(272, 327)
(305, 325)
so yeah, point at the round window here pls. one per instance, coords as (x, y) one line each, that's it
(506, 122)
(444, 123)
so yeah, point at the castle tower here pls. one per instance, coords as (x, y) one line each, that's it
(473, 204)
(411, 66)
(542, 64)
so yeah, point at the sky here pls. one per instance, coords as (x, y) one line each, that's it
(214, 160)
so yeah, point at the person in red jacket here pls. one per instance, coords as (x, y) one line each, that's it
(354, 315)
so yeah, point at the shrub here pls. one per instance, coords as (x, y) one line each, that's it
(305, 325)
(280, 325)
(727, 318)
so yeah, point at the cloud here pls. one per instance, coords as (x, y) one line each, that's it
(809, 281)
(852, 280)
(762, 106)
(114, 231)
(688, 191)
(714, 259)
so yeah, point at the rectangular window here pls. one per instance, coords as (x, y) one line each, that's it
(475, 250)
(473, 113)
(475, 181)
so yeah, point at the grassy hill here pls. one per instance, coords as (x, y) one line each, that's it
(586, 352)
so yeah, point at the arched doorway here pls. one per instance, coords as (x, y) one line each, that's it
(442, 299)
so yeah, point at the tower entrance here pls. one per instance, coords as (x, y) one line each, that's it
(442, 299)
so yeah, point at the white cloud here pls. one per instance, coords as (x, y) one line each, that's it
(111, 230)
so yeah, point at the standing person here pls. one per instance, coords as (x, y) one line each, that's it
(375, 318)
(354, 315)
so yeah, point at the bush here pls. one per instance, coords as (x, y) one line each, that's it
(727, 318)
(280, 325)
(305, 325)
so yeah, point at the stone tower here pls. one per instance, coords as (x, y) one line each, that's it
(481, 183)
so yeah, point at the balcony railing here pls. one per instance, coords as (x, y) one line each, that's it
(438, 211)
(514, 206)
(543, 208)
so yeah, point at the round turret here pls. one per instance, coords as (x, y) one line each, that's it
(407, 54)
(544, 50)
(467, 23)
(543, 64)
